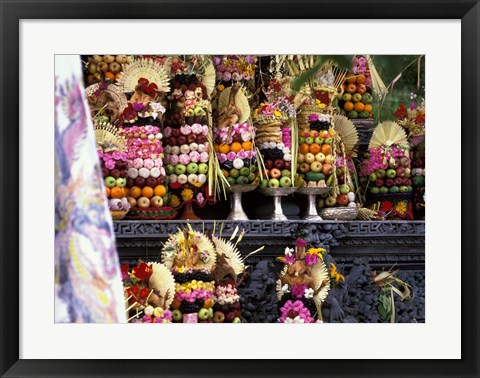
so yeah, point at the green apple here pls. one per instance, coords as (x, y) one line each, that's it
(234, 173)
(110, 181)
(374, 190)
(391, 173)
(121, 182)
(242, 180)
(202, 168)
(367, 98)
(170, 169)
(251, 177)
(356, 97)
(231, 180)
(394, 189)
(319, 140)
(404, 189)
(236, 320)
(347, 97)
(244, 171)
(309, 140)
(286, 172)
(301, 140)
(192, 168)
(328, 141)
(264, 184)
(352, 114)
(285, 182)
(372, 176)
(180, 169)
(203, 314)
(176, 315)
(383, 190)
(273, 183)
(344, 189)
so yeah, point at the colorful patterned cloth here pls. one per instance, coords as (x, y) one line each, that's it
(88, 286)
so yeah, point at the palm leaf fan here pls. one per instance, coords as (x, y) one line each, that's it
(153, 71)
(241, 102)
(346, 134)
(321, 282)
(107, 137)
(163, 282)
(386, 134)
(175, 242)
(378, 86)
(120, 100)
(208, 78)
(226, 248)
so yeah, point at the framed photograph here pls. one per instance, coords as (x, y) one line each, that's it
(40, 39)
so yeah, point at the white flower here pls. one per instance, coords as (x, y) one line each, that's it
(309, 293)
(285, 289)
(288, 251)
(297, 320)
(156, 108)
(170, 255)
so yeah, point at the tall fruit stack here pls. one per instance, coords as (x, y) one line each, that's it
(191, 255)
(187, 135)
(113, 162)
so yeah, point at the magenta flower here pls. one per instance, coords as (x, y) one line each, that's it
(310, 259)
(301, 243)
(299, 290)
(289, 259)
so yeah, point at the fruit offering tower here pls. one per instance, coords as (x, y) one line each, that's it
(228, 268)
(113, 161)
(191, 255)
(149, 291)
(146, 180)
(104, 68)
(276, 137)
(316, 154)
(303, 285)
(234, 138)
(388, 170)
(187, 138)
(355, 100)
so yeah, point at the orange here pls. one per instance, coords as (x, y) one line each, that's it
(348, 106)
(361, 79)
(304, 148)
(147, 192)
(359, 106)
(117, 192)
(160, 190)
(225, 172)
(127, 192)
(135, 191)
(314, 148)
(107, 191)
(208, 303)
(235, 147)
(224, 148)
(216, 147)
(247, 146)
(326, 149)
(351, 78)
(117, 76)
(368, 108)
(109, 75)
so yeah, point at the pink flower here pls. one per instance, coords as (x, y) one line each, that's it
(174, 159)
(110, 164)
(196, 128)
(184, 159)
(204, 157)
(158, 163)
(310, 259)
(185, 129)
(204, 129)
(222, 158)
(242, 154)
(200, 198)
(227, 76)
(231, 156)
(194, 156)
(219, 75)
(148, 163)
(236, 76)
(300, 243)
(289, 259)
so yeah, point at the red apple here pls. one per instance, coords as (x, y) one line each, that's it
(400, 171)
(201, 138)
(361, 88)
(287, 165)
(191, 138)
(351, 88)
(398, 181)
(156, 201)
(275, 173)
(176, 132)
(130, 182)
(115, 173)
(132, 201)
(268, 164)
(389, 183)
(229, 317)
(342, 199)
(160, 180)
(181, 140)
(278, 163)
(379, 182)
(140, 182)
(151, 182)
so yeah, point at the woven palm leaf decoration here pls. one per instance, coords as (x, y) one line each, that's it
(175, 244)
(118, 97)
(388, 133)
(234, 258)
(208, 78)
(241, 102)
(163, 282)
(107, 137)
(346, 134)
(321, 282)
(378, 86)
(279, 284)
(143, 68)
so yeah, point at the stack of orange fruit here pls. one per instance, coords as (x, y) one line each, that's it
(356, 99)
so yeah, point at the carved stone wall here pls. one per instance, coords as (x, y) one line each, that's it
(356, 247)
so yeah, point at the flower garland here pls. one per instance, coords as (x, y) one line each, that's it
(234, 67)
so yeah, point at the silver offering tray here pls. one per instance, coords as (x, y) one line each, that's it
(339, 213)
(277, 194)
(237, 212)
(312, 192)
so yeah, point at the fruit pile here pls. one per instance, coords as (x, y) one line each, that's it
(236, 154)
(104, 68)
(187, 150)
(114, 171)
(316, 159)
(356, 99)
(227, 303)
(300, 291)
(148, 195)
(193, 297)
(393, 176)
(273, 122)
(147, 288)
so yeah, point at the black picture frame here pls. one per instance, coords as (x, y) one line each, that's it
(466, 10)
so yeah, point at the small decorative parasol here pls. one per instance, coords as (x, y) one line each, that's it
(149, 69)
